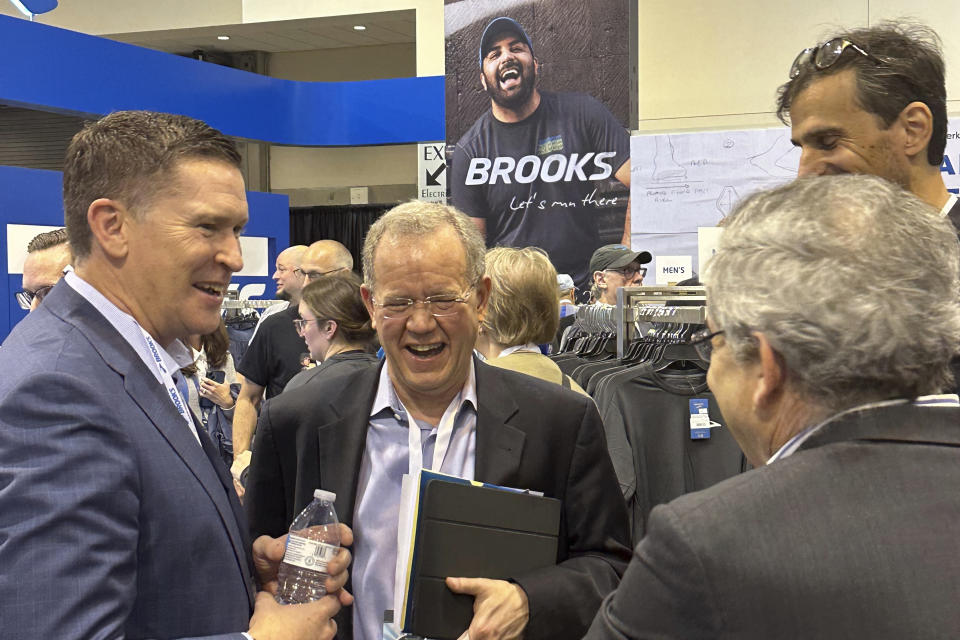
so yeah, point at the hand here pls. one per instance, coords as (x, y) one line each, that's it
(216, 392)
(268, 553)
(500, 608)
(274, 621)
(240, 462)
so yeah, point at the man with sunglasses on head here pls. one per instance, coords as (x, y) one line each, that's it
(826, 376)
(433, 405)
(48, 254)
(873, 101)
(614, 266)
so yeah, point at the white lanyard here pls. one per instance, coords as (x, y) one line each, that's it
(444, 434)
(530, 347)
(167, 381)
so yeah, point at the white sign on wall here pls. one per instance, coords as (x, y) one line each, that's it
(431, 172)
(18, 237)
(672, 269)
(681, 182)
(708, 239)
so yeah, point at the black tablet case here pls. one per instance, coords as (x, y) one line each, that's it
(476, 532)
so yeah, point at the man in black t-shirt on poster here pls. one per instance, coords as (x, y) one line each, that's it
(535, 169)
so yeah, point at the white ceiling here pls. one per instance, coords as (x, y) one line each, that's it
(390, 27)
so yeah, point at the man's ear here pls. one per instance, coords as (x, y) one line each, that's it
(109, 223)
(600, 279)
(483, 296)
(916, 120)
(772, 374)
(368, 303)
(483, 81)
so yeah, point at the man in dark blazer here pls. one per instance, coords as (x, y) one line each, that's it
(426, 292)
(118, 519)
(822, 367)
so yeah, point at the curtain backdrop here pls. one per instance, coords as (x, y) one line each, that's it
(346, 224)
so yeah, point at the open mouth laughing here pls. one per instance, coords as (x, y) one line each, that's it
(425, 351)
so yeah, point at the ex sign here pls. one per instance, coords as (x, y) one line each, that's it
(431, 172)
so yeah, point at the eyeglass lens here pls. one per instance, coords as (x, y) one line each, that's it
(25, 297)
(826, 55)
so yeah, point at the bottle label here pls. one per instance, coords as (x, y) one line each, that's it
(309, 554)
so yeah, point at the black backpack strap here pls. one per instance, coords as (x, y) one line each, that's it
(565, 381)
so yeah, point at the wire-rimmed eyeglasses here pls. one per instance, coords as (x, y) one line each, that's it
(440, 305)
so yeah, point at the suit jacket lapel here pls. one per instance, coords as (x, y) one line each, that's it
(499, 444)
(340, 442)
(954, 215)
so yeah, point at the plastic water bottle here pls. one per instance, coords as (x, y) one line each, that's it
(313, 541)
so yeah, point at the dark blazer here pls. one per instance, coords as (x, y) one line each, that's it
(530, 434)
(954, 216)
(113, 520)
(853, 536)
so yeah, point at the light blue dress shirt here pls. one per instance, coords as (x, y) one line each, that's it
(377, 511)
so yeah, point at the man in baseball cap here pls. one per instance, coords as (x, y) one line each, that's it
(614, 266)
(540, 168)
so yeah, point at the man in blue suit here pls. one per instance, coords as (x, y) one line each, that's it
(116, 517)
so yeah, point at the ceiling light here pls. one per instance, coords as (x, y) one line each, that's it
(223, 37)
(359, 27)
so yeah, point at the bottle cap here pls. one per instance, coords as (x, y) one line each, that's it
(329, 496)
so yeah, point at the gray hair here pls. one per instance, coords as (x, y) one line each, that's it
(853, 281)
(417, 219)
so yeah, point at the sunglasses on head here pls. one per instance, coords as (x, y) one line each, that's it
(826, 55)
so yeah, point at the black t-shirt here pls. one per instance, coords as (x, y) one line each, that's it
(545, 181)
(273, 356)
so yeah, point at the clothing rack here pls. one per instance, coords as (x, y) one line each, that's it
(656, 304)
(248, 304)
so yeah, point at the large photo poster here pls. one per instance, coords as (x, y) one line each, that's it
(537, 111)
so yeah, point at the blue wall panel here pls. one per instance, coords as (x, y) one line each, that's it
(60, 70)
(30, 196)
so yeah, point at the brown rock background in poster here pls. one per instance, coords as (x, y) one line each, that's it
(582, 46)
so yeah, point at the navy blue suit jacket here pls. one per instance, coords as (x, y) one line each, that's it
(113, 521)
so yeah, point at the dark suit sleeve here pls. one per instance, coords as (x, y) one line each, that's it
(265, 495)
(564, 599)
(664, 593)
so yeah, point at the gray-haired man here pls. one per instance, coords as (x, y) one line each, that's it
(822, 368)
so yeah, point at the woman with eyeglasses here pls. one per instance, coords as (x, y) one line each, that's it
(335, 326)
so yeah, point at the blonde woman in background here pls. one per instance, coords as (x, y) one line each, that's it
(522, 313)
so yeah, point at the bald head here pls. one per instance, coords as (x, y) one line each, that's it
(287, 276)
(323, 257)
